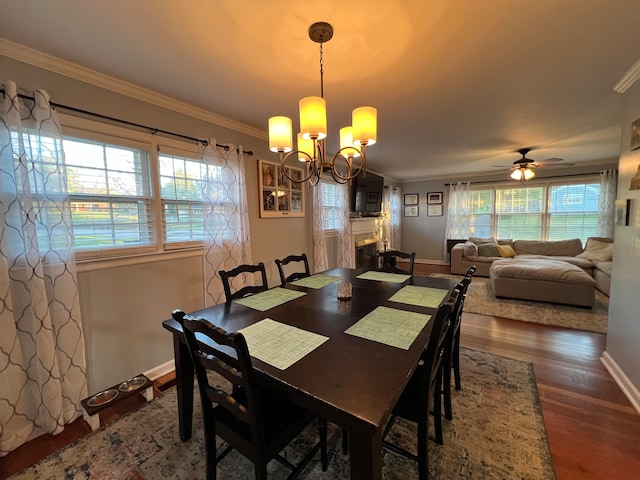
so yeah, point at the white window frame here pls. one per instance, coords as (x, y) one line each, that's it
(91, 130)
(546, 184)
(330, 232)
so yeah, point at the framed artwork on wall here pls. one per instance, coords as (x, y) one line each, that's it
(411, 211)
(279, 197)
(411, 198)
(434, 198)
(434, 210)
(635, 134)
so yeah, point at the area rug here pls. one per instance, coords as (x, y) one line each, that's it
(497, 433)
(480, 299)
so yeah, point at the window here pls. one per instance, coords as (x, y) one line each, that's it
(519, 213)
(573, 211)
(110, 195)
(134, 193)
(553, 211)
(331, 208)
(481, 213)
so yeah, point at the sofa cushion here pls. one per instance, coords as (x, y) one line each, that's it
(506, 251)
(488, 250)
(603, 267)
(565, 248)
(583, 263)
(597, 251)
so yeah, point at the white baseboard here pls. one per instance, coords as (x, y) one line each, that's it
(160, 370)
(621, 379)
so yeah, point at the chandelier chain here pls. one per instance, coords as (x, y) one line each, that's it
(321, 72)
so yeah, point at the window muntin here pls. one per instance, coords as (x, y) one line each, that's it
(110, 193)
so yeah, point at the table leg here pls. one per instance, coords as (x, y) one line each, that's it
(184, 386)
(365, 455)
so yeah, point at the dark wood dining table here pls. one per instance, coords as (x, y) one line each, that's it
(351, 381)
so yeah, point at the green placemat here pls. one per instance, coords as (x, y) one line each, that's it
(316, 281)
(271, 298)
(390, 326)
(384, 277)
(279, 344)
(420, 296)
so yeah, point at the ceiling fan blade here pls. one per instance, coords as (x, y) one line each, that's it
(554, 165)
(552, 160)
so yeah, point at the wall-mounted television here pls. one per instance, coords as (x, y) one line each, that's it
(366, 194)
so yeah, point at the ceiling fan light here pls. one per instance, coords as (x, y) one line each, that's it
(528, 173)
(517, 174)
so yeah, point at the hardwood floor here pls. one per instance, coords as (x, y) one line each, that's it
(593, 431)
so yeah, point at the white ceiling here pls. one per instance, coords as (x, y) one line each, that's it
(459, 84)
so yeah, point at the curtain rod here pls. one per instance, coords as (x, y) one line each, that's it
(126, 122)
(540, 178)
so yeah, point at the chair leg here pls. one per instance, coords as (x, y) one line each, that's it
(323, 444)
(437, 411)
(423, 449)
(446, 389)
(261, 469)
(456, 361)
(345, 441)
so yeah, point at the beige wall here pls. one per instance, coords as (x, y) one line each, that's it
(123, 306)
(622, 355)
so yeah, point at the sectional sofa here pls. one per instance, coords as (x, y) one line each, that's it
(594, 258)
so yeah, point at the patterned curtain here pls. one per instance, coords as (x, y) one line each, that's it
(606, 203)
(346, 246)
(226, 223)
(459, 210)
(320, 261)
(388, 225)
(42, 360)
(395, 217)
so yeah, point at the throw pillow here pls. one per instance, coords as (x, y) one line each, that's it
(597, 251)
(506, 251)
(488, 250)
(480, 240)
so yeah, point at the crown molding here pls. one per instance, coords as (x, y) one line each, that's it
(72, 70)
(628, 78)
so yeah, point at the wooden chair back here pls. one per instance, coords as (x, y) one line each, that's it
(295, 275)
(388, 261)
(227, 276)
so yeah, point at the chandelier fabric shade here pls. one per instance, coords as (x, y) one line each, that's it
(311, 140)
(280, 134)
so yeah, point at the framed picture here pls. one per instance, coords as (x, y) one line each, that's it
(635, 134)
(411, 211)
(623, 209)
(434, 210)
(279, 196)
(434, 197)
(411, 199)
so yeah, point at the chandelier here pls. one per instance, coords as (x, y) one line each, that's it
(350, 160)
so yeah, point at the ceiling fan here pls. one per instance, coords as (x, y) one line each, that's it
(524, 168)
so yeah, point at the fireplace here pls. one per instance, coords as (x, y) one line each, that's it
(366, 252)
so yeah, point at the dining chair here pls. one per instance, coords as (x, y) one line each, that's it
(423, 391)
(390, 261)
(256, 422)
(227, 276)
(295, 275)
(452, 352)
